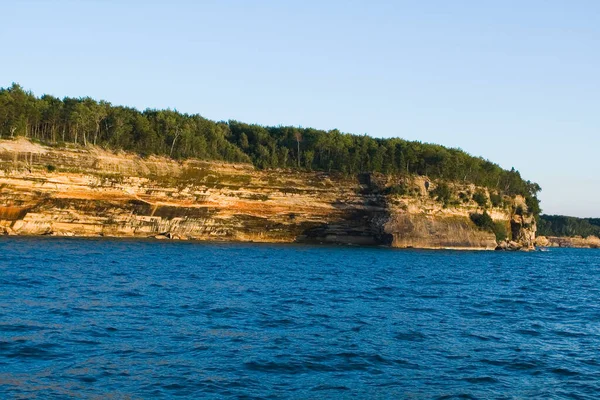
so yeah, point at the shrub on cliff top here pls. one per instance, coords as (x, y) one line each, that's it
(533, 205)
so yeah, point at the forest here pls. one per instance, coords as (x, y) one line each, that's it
(560, 225)
(85, 121)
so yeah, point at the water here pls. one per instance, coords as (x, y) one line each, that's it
(141, 319)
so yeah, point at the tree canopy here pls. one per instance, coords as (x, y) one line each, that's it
(85, 121)
(560, 225)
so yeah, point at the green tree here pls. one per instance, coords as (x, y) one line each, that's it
(480, 197)
(85, 121)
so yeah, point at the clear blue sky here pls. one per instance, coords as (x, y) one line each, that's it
(517, 82)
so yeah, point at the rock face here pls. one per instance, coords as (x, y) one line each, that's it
(441, 231)
(591, 242)
(542, 241)
(523, 230)
(92, 192)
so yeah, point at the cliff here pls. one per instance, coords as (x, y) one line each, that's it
(87, 191)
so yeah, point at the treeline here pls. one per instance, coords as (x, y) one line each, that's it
(560, 225)
(85, 121)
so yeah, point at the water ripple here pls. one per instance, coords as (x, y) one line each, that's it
(141, 319)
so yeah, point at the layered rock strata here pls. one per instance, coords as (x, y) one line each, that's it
(93, 192)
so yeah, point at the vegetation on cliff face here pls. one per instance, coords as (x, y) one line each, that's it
(560, 225)
(87, 191)
(485, 222)
(85, 121)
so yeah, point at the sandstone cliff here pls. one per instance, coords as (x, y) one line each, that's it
(91, 192)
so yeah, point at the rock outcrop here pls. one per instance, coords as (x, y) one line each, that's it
(92, 192)
(590, 242)
(523, 230)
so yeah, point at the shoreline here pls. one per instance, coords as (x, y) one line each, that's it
(233, 241)
(151, 239)
(154, 239)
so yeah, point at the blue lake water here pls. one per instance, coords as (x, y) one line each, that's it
(150, 319)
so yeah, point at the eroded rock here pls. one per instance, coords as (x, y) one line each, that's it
(123, 195)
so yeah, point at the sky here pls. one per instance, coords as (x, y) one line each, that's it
(516, 82)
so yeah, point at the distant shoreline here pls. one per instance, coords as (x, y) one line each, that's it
(590, 242)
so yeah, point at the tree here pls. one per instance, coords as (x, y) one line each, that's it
(298, 137)
(244, 141)
(170, 133)
(308, 159)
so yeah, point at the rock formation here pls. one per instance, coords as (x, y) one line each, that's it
(590, 242)
(92, 192)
